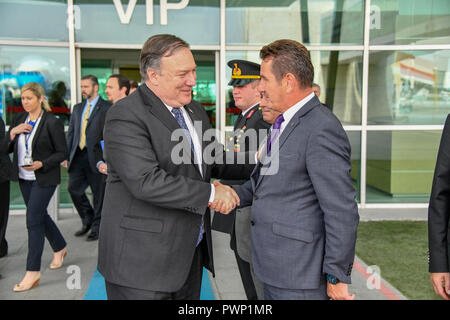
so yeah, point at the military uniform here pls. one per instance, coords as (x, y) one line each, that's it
(237, 223)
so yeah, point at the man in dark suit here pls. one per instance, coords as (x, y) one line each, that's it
(155, 233)
(304, 213)
(117, 87)
(5, 177)
(439, 219)
(84, 158)
(316, 89)
(249, 125)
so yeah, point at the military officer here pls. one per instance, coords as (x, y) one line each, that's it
(249, 130)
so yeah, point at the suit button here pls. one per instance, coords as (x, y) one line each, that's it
(252, 222)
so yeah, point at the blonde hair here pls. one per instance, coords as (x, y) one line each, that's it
(39, 92)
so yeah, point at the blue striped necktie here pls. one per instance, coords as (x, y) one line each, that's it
(180, 119)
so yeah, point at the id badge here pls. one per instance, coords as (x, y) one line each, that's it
(27, 160)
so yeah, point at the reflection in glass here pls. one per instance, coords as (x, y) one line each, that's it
(400, 165)
(33, 20)
(409, 87)
(258, 22)
(338, 73)
(205, 87)
(410, 22)
(47, 66)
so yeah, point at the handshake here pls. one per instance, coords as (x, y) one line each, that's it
(225, 199)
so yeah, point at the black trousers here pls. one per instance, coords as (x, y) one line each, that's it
(39, 224)
(80, 177)
(189, 291)
(4, 213)
(244, 270)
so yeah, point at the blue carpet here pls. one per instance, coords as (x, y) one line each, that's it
(97, 291)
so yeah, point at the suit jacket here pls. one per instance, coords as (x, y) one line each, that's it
(152, 208)
(5, 162)
(304, 215)
(73, 135)
(439, 207)
(49, 146)
(239, 143)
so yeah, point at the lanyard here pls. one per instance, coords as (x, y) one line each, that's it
(28, 135)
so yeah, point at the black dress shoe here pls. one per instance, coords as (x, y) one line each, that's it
(92, 236)
(83, 231)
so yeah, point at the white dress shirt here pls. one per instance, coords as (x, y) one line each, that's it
(289, 113)
(197, 144)
(21, 151)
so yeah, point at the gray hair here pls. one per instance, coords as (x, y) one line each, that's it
(157, 47)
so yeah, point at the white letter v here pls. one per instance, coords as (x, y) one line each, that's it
(125, 17)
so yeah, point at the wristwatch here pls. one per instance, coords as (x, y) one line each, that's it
(332, 279)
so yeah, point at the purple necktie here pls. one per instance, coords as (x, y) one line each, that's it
(274, 133)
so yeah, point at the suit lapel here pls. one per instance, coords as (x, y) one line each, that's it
(237, 124)
(296, 119)
(157, 108)
(39, 129)
(160, 111)
(94, 112)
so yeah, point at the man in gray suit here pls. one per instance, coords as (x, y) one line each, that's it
(155, 233)
(304, 214)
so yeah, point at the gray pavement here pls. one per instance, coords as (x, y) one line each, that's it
(80, 264)
(81, 260)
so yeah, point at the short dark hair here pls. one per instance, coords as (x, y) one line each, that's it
(290, 56)
(91, 77)
(156, 47)
(123, 82)
(134, 84)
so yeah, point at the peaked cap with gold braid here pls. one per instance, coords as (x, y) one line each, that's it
(243, 72)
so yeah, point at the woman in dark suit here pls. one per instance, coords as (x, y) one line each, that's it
(5, 174)
(39, 145)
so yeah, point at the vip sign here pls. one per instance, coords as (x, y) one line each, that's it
(125, 17)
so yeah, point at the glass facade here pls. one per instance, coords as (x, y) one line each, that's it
(48, 66)
(410, 22)
(33, 20)
(409, 87)
(382, 65)
(400, 165)
(121, 22)
(308, 21)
